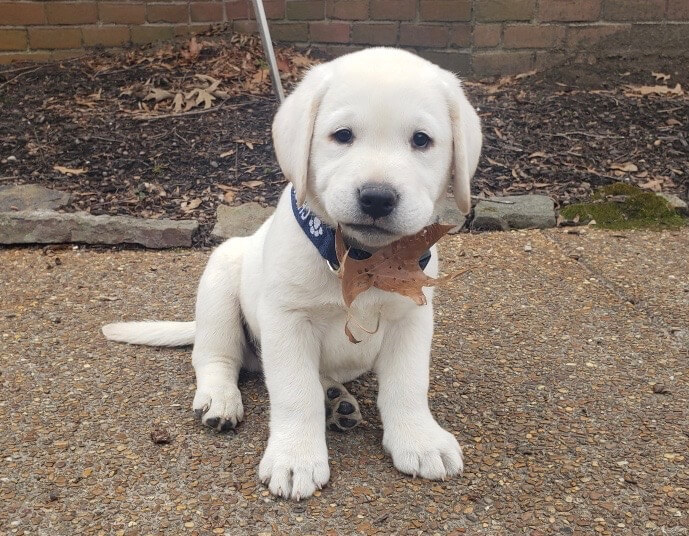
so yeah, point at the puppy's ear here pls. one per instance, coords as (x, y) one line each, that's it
(293, 128)
(467, 140)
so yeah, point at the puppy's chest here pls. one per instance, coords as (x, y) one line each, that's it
(369, 322)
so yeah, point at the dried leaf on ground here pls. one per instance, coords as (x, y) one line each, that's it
(157, 94)
(643, 91)
(188, 206)
(70, 171)
(628, 167)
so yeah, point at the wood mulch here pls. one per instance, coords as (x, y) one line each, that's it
(173, 131)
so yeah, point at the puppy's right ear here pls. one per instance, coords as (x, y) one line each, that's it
(293, 128)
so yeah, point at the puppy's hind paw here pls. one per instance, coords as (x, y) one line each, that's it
(341, 409)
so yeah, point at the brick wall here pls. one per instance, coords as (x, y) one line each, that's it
(468, 36)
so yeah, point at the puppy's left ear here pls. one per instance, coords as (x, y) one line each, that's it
(293, 128)
(466, 140)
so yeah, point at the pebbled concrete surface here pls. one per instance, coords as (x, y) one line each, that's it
(571, 402)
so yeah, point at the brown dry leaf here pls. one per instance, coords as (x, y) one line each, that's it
(158, 94)
(394, 268)
(253, 184)
(229, 196)
(188, 206)
(660, 77)
(194, 50)
(205, 98)
(538, 154)
(655, 185)
(643, 91)
(627, 166)
(227, 153)
(178, 102)
(70, 171)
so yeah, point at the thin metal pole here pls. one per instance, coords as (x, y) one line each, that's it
(268, 48)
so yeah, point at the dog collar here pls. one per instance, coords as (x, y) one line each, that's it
(322, 236)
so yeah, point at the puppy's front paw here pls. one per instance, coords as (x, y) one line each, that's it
(424, 450)
(294, 469)
(219, 405)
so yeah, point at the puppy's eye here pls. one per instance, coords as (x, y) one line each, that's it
(420, 140)
(343, 135)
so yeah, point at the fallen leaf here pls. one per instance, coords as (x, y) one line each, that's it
(253, 184)
(158, 94)
(229, 196)
(227, 153)
(635, 91)
(188, 206)
(538, 154)
(655, 185)
(627, 166)
(660, 77)
(70, 171)
(178, 102)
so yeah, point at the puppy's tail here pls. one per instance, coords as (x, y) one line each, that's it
(151, 333)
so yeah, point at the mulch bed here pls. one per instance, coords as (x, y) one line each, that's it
(175, 130)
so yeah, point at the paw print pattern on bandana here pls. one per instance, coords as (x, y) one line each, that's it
(315, 226)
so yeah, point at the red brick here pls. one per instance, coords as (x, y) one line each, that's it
(498, 10)
(393, 9)
(678, 10)
(531, 36)
(460, 35)
(424, 35)
(633, 10)
(167, 13)
(107, 36)
(274, 9)
(149, 34)
(335, 51)
(122, 13)
(12, 39)
(347, 9)
(54, 37)
(548, 59)
(457, 62)
(238, 9)
(499, 62)
(445, 10)
(329, 32)
(71, 13)
(305, 9)
(569, 10)
(591, 36)
(207, 12)
(289, 31)
(245, 26)
(13, 13)
(487, 35)
(191, 29)
(374, 33)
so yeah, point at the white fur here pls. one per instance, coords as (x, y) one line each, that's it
(292, 302)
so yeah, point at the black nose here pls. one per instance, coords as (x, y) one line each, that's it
(377, 200)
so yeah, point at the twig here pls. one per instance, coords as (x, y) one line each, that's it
(589, 135)
(7, 178)
(492, 200)
(193, 112)
(20, 74)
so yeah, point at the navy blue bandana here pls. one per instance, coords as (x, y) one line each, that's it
(322, 236)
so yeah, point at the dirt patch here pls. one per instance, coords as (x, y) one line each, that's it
(113, 116)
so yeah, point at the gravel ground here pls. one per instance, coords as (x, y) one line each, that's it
(570, 401)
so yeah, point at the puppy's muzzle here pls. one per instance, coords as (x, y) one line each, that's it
(377, 200)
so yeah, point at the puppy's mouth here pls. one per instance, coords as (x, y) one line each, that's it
(368, 229)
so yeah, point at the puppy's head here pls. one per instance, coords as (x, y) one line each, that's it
(371, 140)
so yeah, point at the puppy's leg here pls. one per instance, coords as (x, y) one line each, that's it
(219, 343)
(341, 408)
(295, 462)
(417, 443)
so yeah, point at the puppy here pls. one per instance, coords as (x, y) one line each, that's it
(369, 142)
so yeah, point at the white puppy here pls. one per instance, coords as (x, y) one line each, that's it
(369, 141)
